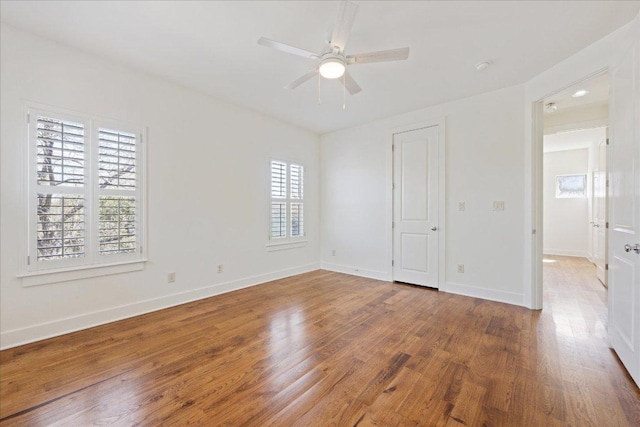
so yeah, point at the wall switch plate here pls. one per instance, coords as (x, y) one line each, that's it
(219, 268)
(333, 252)
(461, 206)
(171, 277)
(460, 268)
(498, 205)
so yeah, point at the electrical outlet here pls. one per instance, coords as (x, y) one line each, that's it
(171, 277)
(333, 252)
(219, 268)
(461, 206)
(498, 205)
(460, 268)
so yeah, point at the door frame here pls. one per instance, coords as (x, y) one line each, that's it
(440, 122)
(537, 139)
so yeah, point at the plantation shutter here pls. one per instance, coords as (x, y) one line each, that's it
(85, 192)
(117, 196)
(61, 192)
(287, 205)
(296, 205)
(278, 200)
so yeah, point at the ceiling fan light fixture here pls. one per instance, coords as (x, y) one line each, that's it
(332, 67)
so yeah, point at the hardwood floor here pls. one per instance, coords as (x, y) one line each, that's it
(324, 349)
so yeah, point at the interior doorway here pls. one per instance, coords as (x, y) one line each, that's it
(574, 180)
(416, 206)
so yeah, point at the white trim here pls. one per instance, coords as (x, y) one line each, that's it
(357, 271)
(54, 328)
(441, 123)
(43, 277)
(564, 252)
(281, 246)
(488, 294)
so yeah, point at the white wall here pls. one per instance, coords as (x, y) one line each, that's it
(566, 220)
(207, 189)
(484, 161)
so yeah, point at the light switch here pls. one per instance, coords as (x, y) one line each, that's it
(498, 205)
(461, 206)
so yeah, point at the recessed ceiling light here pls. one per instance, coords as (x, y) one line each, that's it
(482, 65)
(579, 93)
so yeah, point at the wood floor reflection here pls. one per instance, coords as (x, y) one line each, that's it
(325, 349)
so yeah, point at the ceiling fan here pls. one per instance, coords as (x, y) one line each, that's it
(332, 60)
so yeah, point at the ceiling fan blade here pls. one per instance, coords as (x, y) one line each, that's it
(346, 15)
(297, 82)
(379, 56)
(351, 84)
(283, 47)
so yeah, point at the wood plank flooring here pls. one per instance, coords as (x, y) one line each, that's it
(325, 349)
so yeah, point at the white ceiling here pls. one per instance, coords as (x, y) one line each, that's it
(597, 93)
(210, 46)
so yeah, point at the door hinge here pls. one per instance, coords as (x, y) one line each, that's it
(141, 249)
(392, 262)
(393, 186)
(28, 117)
(393, 225)
(607, 141)
(533, 231)
(393, 147)
(606, 266)
(28, 260)
(606, 225)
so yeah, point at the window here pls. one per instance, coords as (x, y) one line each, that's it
(571, 186)
(287, 201)
(85, 192)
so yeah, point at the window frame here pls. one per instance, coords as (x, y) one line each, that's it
(34, 272)
(288, 241)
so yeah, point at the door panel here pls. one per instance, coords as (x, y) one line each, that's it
(415, 248)
(415, 207)
(415, 180)
(624, 212)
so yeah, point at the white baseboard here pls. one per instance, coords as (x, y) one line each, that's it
(488, 294)
(55, 328)
(357, 271)
(565, 252)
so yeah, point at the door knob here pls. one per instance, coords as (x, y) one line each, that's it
(635, 248)
(434, 228)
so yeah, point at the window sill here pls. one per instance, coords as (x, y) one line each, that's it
(44, 277)
(281, 246)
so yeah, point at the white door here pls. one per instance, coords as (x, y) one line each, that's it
(415, 207)
(624, 212)
(600, 213)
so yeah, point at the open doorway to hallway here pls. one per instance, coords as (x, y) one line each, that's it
(574, 190)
